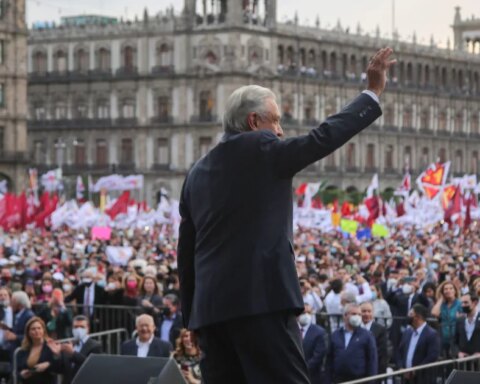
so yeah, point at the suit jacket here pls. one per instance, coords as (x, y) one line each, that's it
(427, 349)
(46, 377)
(72, 363)
(381, 341)
(158, 348)
(399, 302)
(236, 206)
(464, 345)
(174, 330)
(78, 294)
(356, 361)
(19, 327)
(315, 350)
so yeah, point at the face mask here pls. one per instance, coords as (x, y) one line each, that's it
(410, 320)
(466, 309)
(355, 321)
(101, 283)
(111, 286)
(392, 282)
(86, 281)
(79, 333)
(304, 319)
(131, 284)
(407, 289)
(374, 296)
(66, 287)
(47, 288)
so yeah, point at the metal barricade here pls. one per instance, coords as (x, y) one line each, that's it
(111, 342)
(433, 373)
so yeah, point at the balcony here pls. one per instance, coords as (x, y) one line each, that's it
(163, 70)
(207, 118)
(371, 169)
(162, 120)
(160, 167)
(443, 133)
(426, 131)
(409, 129)
(391, 171)
(126, 121)
(390, 128)
(14, 157)
(352, 169)
(127, 72)
(82, 123)
(331, 168)
(125, 167)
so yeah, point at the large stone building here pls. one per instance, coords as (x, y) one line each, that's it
(147, 96)
(13, 93)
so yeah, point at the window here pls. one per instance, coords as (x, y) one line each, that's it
(60, 61)
(128, 58)
(80, 110)
(205, 144)
(2, 95)
(442, 121)
(474, 163)
(442, 155)
(424, 161)
(351, 155)
(163, 108)
(2, 8)
(389, 116)
(39, 111)
(163, 155)
(101, 158)
(60, 110)
(79, 146)
(81, 60)
(459, 122)
(389, 157)
(103, 60)
(206, 105)
(407, 118)
(2, 51)
(370, 163)
(39, 62)
(407, 155)
(331, 163)
(458, 161)
(127, 151)
(474, 124)
(2, 140)
(103, 109)
(163, 56)
(39, 153)
(425, 119)
(128, 109)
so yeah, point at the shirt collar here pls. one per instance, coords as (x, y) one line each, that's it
(368, 325)
(140, 343)
(20, 313)
(420, 329)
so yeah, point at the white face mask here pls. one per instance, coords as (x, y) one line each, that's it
(79, 333)
(304, 319)
(355, 321)
(407, 289)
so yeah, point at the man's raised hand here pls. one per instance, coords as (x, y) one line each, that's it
(377, 70)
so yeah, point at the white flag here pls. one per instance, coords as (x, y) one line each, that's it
(51, 181)
(119, 255)
(80, 188)
(373, 185)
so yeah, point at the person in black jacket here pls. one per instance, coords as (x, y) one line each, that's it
(170, 319)
(146, 344)
(380, 334)
(467, 335)
(87, 294)
(57, 316)
(238, 282)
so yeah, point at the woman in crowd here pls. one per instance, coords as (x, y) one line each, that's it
(149, 299)
(36, 363)
(187, 356)
(446, 309)
(381, 309)
(29, 289)
(46, 288)
(57, 317)
(130, 290)
(114, 290)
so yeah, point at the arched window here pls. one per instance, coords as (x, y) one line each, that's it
(474, 163)
(164, 56)
(311, 59)
(407, 118)
(128, 58)
(409, 79)
(40, 62)
(350, 156)
(459, 161)
(290, 57)
(370, 160)
(81, 60)
(389, 157)
(333, 63)
(442, 121)
(211, 58)
(280, 55)
(60, 61)
(206, 106)
(103, 59)
(442, 155)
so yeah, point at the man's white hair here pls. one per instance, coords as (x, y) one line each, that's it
(142, 317)
(244, 100)
(21, 298)
(347, 308)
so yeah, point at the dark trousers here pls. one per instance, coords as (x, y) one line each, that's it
(258, 349)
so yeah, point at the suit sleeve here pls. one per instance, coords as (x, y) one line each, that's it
(292, 155)
(433, 349)
(400, 354)
(185, 258)
(372, 360)
(382, 349)
(319, 352)
(74, 295)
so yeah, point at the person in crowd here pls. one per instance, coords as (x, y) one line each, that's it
(381, 309)
(187, 355)
(419, 345)
(114, 289)
(29, 288)
(57, 317)
(467, 333)
(428, 292)
(22, 314)
(353, 353)
(36, 363)
(149, 298)
(314, 344)
(6, 323)
(171, 321)
(130, 290)
(446, 309)
(333, 304)
(310, 297)
(73, 355)
(87, 294)
(146, 344)
(379, 332)
(46, 288)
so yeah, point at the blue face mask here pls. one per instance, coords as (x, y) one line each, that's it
(434, 266)
(374, 295)
(101, 283)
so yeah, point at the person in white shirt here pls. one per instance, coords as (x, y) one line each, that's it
(146, 344)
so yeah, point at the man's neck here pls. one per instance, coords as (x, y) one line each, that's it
(472, 314)
(419, 326)
(144, 340)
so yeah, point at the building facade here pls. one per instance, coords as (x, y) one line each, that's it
(13, 94)
(147, 96)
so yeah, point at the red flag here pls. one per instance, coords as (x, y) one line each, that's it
(120, 205)
(400, 209)
(301, 189)
(346, 209)
(48, 205)
(455, 206)
(468, 216)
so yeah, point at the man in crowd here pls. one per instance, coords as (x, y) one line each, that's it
(353, 352)
(380, 334)
(21, 307)
(170, 319)
(87, 294)
(146, 344)
(467, 335)
(314, 344)
(420, 343)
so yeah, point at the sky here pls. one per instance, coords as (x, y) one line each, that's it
(424, 17)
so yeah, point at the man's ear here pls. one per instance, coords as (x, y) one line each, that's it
(252, 121)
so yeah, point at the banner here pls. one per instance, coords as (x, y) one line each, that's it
(101, 233)
(119, 255)
(379, 230)
(349, 226)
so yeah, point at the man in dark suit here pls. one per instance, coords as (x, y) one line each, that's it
(352, 354)
(22, 313)
(170, 320)
(146, 344)
(420, 343)
(74, 355)
(467, 335)
(238, 282)
(380, 334)
(87, 294)
(314, 344)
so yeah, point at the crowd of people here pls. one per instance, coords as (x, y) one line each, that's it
(416, 290)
